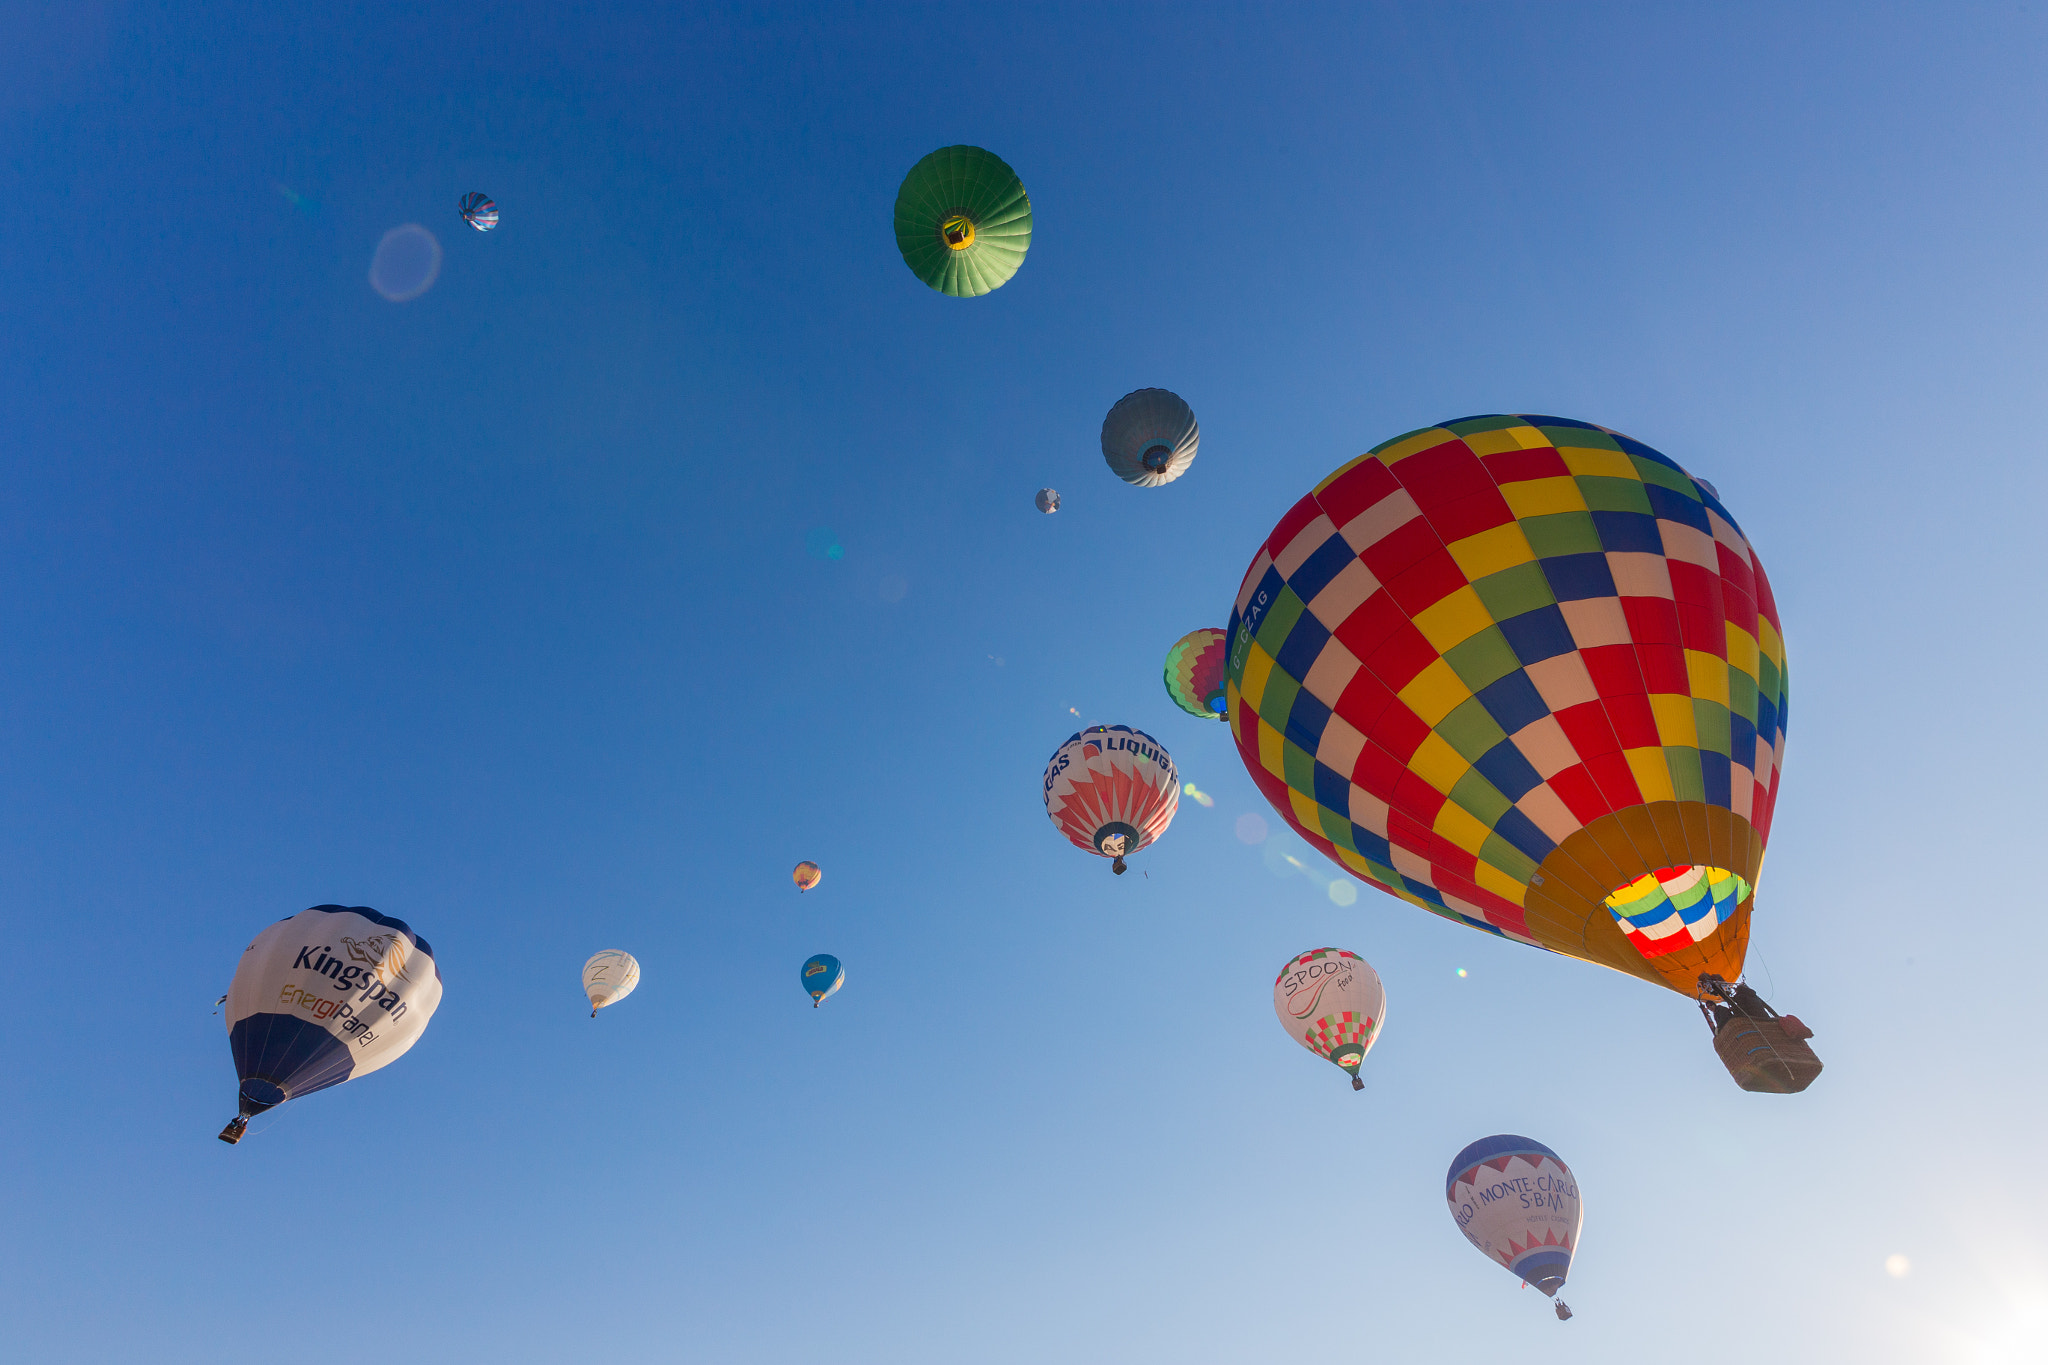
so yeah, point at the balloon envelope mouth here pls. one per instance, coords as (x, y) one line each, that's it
(957, 231)
(1157, 458)
(259, 1095)
(1675, 907)
(1219, 703)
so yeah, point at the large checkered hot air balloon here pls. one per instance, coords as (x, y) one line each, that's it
(1526, 673)
(1111, 790)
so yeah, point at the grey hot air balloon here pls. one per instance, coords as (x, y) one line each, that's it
(1149, 437)
(1048, 499)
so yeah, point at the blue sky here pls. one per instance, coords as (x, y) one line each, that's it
(494, 610)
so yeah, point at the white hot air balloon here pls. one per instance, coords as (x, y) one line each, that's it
(1111, 790)
(1149, 437)
(326, 996)
(1048, 500)
(1518, 1203)
(1331, 1002)
(609, 977)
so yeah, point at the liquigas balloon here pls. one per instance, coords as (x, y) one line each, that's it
(821, 976)
(609, 977)
(1331, 1002)
(963, 221)
(1194, 673)
(807, 875)
(1111, 790)
(326, 996)
(1150, 437)
(1526, 674)
(1518, 1202)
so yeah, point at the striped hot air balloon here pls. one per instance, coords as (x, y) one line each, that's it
(1194, 673)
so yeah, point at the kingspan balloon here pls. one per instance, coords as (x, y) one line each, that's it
(1331, 1002)
(1518, 1202)
(1048, 500)
(1194, 673)
(609, 977)
(821, 976)
(1525, 673)
(963, 221)
(330, 994)
(1111, 790)
(807, 875)
(1150, 437)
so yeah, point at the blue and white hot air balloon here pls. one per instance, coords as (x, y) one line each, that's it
(1518, 1202)
(326, 996)
(822, 975)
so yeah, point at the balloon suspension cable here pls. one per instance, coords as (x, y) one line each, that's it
(233, 1132)
(1564, 1312)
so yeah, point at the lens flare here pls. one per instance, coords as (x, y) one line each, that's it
(1251, 829)
(1461, 973)
(1197, 795)
(1897, 1266)
(1343, 893)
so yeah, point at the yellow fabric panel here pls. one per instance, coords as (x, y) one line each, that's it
(1707, 675)
(1305, 809)
(1507, 438)
(1500, 883)
(1770, 643)
(1652, 773)
(1258, 667)
(1456, 617)
(1461, 827)
(1438, 764)
(1272, 749)
(1427, 439)
(1610, 464)
(1742, 651)
(1499, 547)
(1674, 715)
(1544, 497)
(1436, 691)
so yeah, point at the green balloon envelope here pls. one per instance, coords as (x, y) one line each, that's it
(963, 221)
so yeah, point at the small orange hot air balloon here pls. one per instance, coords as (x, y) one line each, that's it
(807, 875)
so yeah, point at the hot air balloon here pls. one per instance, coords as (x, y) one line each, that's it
(1526, 673)
(807, 875)
(1194, 673)
(479, 212)
(822, 975)
(1518, 1203)
(609, 977)
(1331, 1002)
(1149, 437)
(323, 997)
(963, 221)
(1111, 790)
(1048, 500)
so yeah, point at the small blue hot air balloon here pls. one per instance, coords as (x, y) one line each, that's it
(822, 975)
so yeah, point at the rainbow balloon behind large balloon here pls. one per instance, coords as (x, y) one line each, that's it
(1194, 673)
(1525, 673)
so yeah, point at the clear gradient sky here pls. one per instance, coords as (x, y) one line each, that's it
(494, 610)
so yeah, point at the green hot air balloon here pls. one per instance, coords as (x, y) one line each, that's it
(963, 221)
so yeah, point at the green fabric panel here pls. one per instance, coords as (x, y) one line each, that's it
(1562, 533)
(1511, 592)
(1298, 766)
(1473, 426)
(1336, 828)
(1484, 659)
(1710, 723)
(1665, 476)
(1279, 623)
(1604, 494)
(1686, 779)
(1278, 702)
(1470, 730)
(1498, 852)
(1479, 798)
(1580, 437)
(1742, 694)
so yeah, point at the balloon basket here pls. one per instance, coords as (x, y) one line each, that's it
(1765, 1056)
(1564, 1313)
(1357, 1084)
(233, 1132)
